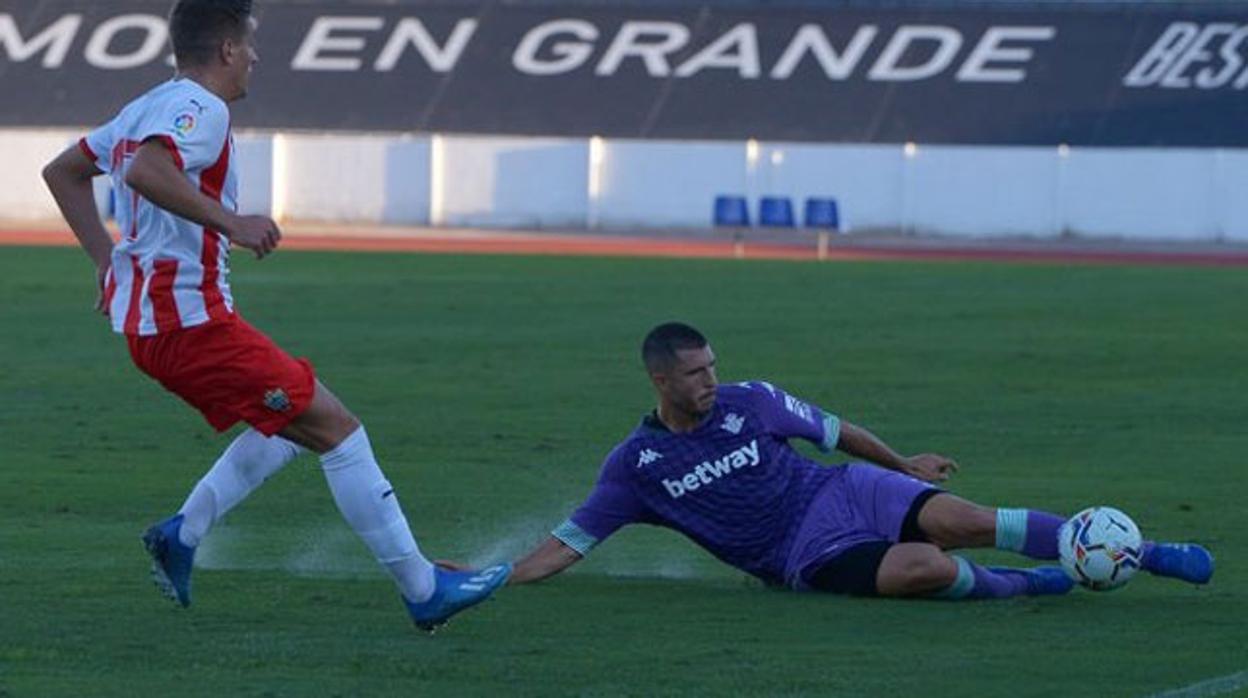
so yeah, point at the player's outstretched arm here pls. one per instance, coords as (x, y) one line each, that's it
(860, 443)
(550, 557)
(157, 178)
(69, 177)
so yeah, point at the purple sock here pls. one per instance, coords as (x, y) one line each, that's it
(997, 585)
(975, 582)
(1032, 533)
(1146, 555)
(1041, 543)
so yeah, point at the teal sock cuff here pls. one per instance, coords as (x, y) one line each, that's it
(962, 585)
(1011, 529)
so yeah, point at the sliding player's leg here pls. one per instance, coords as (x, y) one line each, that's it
(872, 518)
(922, 569)
(952, 522)
(884, 568)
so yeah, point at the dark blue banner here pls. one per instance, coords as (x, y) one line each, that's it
(1082, 74)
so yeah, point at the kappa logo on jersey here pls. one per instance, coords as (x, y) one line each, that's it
(184, 123)
(277, 400)
(647, 457)
(733, 423)
(798, 408)
(708, 472)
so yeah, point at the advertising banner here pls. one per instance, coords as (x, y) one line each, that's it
(1079, 73)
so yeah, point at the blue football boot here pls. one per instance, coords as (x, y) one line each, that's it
(171, 560)
(1186, 561)
(454, 592)
(1042, 581)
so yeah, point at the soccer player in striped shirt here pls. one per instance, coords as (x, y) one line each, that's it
(170, 156)
(714, 463)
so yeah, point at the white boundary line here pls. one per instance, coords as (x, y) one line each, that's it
(1209, 687)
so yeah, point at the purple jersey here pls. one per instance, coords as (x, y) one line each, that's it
(734, 485)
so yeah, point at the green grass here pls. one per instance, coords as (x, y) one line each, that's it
(492, 388)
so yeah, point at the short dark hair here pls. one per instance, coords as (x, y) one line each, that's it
(197, 28)
(658, 351)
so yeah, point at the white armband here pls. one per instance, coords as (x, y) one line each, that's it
(831, 432)
(574, 537)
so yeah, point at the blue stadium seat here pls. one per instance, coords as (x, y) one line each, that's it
(776, 212)
(822, 213)
(731, 211)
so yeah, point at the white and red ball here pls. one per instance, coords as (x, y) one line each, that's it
(1100, 548)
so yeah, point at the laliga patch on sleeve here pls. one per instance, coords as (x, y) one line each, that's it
(798, 408)
(184, 123)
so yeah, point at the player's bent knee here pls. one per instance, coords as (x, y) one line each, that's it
(317, 433)
(949, 521)
(911, 569)
(324, 424)
(328, 404)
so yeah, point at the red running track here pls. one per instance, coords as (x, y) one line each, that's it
(611, 246)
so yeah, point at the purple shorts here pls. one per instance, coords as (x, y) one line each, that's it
(861, 503)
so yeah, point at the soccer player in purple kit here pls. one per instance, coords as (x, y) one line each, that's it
(714, 463)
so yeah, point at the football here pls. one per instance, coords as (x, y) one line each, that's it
(1100, 548)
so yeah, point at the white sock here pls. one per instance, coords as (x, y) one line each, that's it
(371, 508)
(250, 460)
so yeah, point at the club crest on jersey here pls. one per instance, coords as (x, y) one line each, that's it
(648, 456)
(733, 423)
(277, 400)
(184, 123)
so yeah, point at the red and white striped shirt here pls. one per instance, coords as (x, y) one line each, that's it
(168, 272)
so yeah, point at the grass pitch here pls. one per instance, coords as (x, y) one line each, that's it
(492, 387)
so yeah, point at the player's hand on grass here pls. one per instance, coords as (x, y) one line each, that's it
(257, 233)
(931, 467)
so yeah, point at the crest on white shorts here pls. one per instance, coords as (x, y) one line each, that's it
(277, 400)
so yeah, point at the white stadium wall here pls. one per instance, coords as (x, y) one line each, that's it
(1144, 193)
(1148, 193)
(343, 178)
(864, 179)
(509, 182)
(663, 183)
(329, 178)
(408, 174)
(23, 195)
(254, 155)
(1232, 204)
(981, 191)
